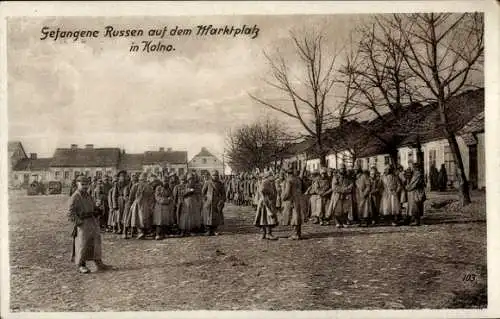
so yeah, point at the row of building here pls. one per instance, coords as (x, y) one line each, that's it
(417, 135)
(66, 163)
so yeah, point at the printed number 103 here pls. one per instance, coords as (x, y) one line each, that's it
(469, 277)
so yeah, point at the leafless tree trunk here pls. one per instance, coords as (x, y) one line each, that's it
(442, 50)
(307, 97)
(378, 82)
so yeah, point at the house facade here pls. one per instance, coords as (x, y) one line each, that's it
(465, 116)
(205, 161)
(30, 169)
(66, 163)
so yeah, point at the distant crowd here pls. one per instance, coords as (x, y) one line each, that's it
(141, 204)
(343, 197)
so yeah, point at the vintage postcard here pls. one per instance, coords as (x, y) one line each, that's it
(325, 159)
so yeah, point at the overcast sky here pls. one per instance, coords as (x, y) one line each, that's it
(97, 92)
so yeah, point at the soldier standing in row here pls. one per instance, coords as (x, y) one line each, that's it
(214, 197)
(266, 214)
(187, 197)
(292, 204)
(416, 194)
(341, 201)
(142, 207)
(163, 215)
(87, 245)
(391, 196)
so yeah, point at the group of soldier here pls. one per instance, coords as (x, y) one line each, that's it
(345, 197)
(140, 205)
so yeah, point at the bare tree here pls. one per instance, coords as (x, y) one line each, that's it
(379, 83)
(306, 100)
(256, 145)
(443, 51)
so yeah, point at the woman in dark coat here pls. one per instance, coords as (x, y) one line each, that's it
(443, 178)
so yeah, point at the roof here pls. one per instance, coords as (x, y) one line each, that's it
(12, 146)
(461, 110)
(82, 157)
(305, 146)
(171, 157)
(476, 125)
(204, 153)
(27, 164)
(131, 162)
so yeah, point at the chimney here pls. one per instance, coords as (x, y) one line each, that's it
(162, 149)
(169, 149)
(74, 146)
(33, 156)
(89, 146)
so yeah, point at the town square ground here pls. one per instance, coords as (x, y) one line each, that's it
(441, 264)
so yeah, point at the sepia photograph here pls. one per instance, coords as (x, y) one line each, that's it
(273, 162)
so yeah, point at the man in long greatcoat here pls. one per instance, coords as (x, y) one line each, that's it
(376, 189)
(340, 204)
(127, 214)
(119, 200)
(292, 204)
(391, 196)
(100, 199)
(363, 192)
(266, 215)
(87, 244)
(214, 196)
(187, 196)
(163, 214)
(142, 208)
(416, 194)
(320, 186)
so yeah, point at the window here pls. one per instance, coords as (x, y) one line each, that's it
(387, 160)
(410, 157)
(449, 163)
(181, 171)
(66, 175)
(76, 174)
(87, 173)
(98, 174)
(432, 158)
(204, 160)
(109, 172)
(58, 174)
(375, 160)
(16, 177)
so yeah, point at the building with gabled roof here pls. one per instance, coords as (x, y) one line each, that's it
(205, 162)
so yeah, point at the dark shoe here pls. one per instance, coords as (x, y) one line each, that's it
(83, 270)
(271, 237)
(125, 236)
(158, 237)
(141, 236)
(104, 267)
